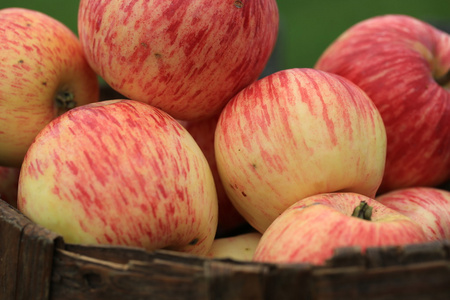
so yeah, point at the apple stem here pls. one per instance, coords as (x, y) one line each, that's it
(444, 79)
(64, 101)
(363, 211)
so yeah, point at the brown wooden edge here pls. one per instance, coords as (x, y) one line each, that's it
(26, 256)
(37, 264)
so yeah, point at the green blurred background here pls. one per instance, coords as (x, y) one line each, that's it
(306, 27)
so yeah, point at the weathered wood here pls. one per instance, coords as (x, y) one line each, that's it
(118, 254)
(80, 277)
(289, 282)
(236, 281)
(26, 252)
(36, 264)
(412, 282)
(408, 254)
(383, 256)
(346, 257)
(11, 226)
(425, 252)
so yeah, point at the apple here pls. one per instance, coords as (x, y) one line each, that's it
(120, 172)
(293, 134)
(311, 229)
(187, 58)
(44, 73)
(403, 64)
(236, 247)
(9, 181)
(230, 220)
(429, 207)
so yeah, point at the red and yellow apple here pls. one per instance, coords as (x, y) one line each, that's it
(120, 172)
(187, 58)
(297, 133)
(237, 247)
(44, 73)
(403, 64)
(310, 230)
(230, 220)
(429, 207)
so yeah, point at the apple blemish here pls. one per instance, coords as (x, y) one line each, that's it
(194, 242)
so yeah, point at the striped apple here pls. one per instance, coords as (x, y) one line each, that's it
(310, 230)
(43, 73)
(120, 172)
(297, 133)
(403, 64)
(429, 207)
(186, 57)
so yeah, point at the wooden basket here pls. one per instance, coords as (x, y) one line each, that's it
(37, 264)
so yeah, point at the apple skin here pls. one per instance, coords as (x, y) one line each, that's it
(237, 247)
(43, 74)
(9, 181)
(120, 172)
(429, 207)
(310, 230)
(396, 59)
(230, 220)
(293, 134)
(187, 58)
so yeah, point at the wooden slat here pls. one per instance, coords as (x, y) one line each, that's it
(123, 254)
(289, 282)
(236, 281)
(118, 254)
(346, 257)
(80, 277)
(412, 282)
(11, 226)
(36, 264)
(26, 252)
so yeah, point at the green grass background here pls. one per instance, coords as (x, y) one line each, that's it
(306, 27)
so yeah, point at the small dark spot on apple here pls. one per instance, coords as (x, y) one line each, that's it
(254, 166)
(193, 242)
(244, 194)
(238, 4)
(44, 83)
(158, 55)
(28, 24)
(20, 61)
(145, 45)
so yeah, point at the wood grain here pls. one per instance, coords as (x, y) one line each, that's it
(26, 256)
(37, 264)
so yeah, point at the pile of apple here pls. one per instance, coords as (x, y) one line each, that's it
(351, 152)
